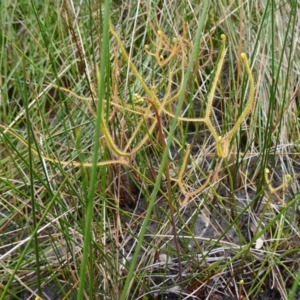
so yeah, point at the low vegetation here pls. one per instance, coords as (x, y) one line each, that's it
(149, 150)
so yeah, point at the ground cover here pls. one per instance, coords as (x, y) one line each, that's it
(149, 150)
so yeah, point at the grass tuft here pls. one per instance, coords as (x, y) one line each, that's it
(149, 150)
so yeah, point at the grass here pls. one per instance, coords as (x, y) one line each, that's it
(135, 162)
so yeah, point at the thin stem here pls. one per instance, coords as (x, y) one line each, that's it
(169, 189)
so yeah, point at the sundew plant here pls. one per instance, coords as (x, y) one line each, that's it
(149, 149)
